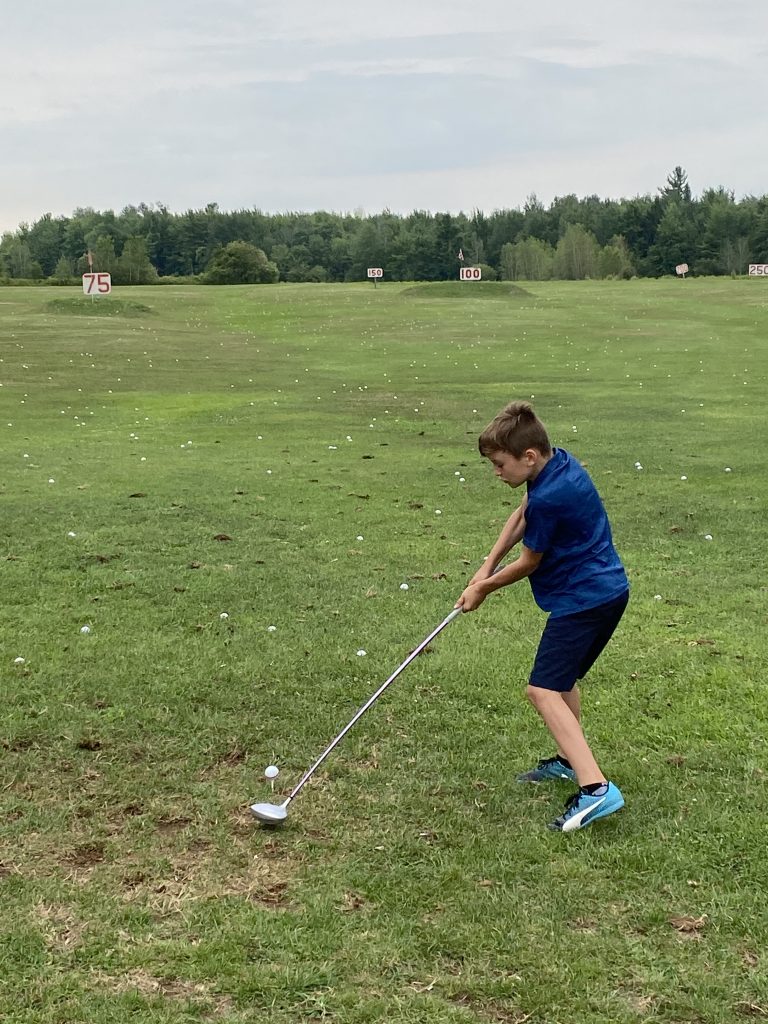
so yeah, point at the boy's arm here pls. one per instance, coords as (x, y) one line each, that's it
(526, 563)
(510, 535)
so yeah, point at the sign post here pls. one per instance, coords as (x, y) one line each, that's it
(375, 274)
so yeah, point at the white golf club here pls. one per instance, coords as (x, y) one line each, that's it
(273, 814)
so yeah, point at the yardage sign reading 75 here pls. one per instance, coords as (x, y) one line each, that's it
(97, 284)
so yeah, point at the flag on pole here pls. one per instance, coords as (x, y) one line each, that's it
(461, 255)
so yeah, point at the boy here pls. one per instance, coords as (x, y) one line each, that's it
(575, 575)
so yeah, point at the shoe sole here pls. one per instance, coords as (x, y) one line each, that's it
(603, 812)
(546, 778)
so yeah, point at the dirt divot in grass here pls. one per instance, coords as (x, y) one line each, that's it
(137, 980)
(86, 855)
(490, 1011)
(61, 928)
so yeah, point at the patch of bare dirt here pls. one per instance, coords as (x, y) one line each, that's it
(490, 1010)
(61, 928)
(86, 855)
(176, 989)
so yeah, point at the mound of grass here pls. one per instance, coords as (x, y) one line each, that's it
(83, 306)
(466, 290)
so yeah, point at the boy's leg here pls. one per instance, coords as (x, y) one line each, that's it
(573, 700)
(566, 732)
(568, 648)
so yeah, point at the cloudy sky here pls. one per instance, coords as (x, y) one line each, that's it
(341, 105)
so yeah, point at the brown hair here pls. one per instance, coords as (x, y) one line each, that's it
(515, 429)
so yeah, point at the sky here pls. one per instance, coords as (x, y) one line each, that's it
(346, 106)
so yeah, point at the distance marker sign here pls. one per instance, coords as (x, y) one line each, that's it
(758, 269)
(97, 284)
(375, 272)
(470, 274)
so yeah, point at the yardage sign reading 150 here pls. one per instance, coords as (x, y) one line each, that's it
(97, 284)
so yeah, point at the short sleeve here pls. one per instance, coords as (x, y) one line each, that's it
(540, 526)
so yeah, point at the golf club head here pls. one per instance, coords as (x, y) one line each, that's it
(270, 814)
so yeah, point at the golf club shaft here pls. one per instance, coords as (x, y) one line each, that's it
(372, 700)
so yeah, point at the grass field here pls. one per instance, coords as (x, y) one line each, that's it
(288, 456)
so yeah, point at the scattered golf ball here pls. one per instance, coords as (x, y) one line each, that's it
(51, 481)
(224, 615)
(707, 536)
(85, 629)
(271, 772)
(657, 597)
(359, 537)
(683, 477)
(71, 534)
(361, 653)
(438, 512)
(18, 661)
(403, 586)
(727, 469)
(271, 629)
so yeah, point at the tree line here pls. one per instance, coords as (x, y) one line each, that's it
(572, 238)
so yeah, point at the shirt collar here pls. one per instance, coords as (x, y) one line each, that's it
(557, 454)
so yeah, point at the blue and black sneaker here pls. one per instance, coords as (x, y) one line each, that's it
(584, 808)
(548, 768)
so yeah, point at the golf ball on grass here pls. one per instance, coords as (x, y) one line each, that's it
(271, 772)
(403, 586)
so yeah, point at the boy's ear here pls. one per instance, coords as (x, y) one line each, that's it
(531, 455)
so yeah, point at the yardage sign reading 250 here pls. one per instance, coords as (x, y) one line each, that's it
(97, 284)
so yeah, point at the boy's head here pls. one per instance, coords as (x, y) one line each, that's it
(516, 442)
(515, 429)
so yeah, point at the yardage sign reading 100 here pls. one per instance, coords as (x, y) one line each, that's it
(470, 274)
(97, 284)
(758, 269)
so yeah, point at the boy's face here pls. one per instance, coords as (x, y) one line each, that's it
(513, 470)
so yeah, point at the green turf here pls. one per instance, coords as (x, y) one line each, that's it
(414, 880)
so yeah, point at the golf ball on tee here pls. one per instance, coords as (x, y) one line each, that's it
(271, 772)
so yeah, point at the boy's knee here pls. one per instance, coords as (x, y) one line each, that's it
(537, 695)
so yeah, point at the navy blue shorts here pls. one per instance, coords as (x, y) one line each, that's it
(571, 644)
